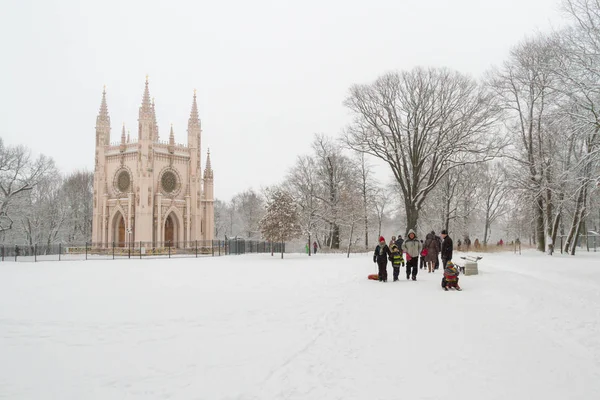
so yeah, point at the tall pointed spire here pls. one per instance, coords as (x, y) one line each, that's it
(103, 114)
(103, 122)
(194, 118)
(208, 172)
(146, 104)
(147, 119)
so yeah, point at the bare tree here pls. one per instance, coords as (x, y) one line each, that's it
(381, 201)
(78, 192)
(423, 123)
(335, 173)
(281, 221)
(367, 191)
(250, 207)
(303, 185)
(495, 190)
(19, 173)
(525, 89)
(221, 213)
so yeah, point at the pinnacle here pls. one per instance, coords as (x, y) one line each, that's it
(146, 103)
(194, 118)
(208, 172)
(103, 114)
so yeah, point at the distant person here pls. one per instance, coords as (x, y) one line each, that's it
(477, 244)
(412, 248)
(393, 241)
(381, 255)
(446, 249)
(315, 246)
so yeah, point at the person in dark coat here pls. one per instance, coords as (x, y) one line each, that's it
(381, 255)
(439, 240)
(433, 249)
(399, 242)
(315, 247)
(447, 248)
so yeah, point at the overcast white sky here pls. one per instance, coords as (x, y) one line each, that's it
(269, 74)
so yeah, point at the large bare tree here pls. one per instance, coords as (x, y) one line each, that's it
(20, 172)
(423, 123)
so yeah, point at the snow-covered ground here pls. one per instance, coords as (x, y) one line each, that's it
(256, 327)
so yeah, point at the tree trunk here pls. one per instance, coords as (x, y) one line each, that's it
(412, 217)
(539, 225)
(309, 247)
(350, 241)
(282, 250)
(335, 236)
(577, 232)
(575, 226)
(486, 229)
(366, 230)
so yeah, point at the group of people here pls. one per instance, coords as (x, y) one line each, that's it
(411, 250)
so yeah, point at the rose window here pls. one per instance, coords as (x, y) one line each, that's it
(169, 182)
(123, 181)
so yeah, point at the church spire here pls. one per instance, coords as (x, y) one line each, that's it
(208, 172)
(194, 118)
(147, 117)
(103, 114)
(103, 122)
(146, 104)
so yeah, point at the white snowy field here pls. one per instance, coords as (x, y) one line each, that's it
(257, 327)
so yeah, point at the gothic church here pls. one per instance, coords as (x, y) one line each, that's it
(151, 191)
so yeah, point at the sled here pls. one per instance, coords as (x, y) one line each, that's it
(374, 277)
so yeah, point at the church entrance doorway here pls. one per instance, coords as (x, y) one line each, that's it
(169, 231)
(121, 232)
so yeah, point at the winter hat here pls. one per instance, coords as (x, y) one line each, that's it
(444, 232)
(381, 239)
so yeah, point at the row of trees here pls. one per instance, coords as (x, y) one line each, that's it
(37, 204)
(442, 134)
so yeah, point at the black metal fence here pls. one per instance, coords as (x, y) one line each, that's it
(113, 251)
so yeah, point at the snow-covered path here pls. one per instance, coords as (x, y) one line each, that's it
(256, 327)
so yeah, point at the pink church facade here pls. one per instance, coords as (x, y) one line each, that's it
(151, 191)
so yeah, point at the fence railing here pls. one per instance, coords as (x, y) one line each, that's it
(116, 250)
